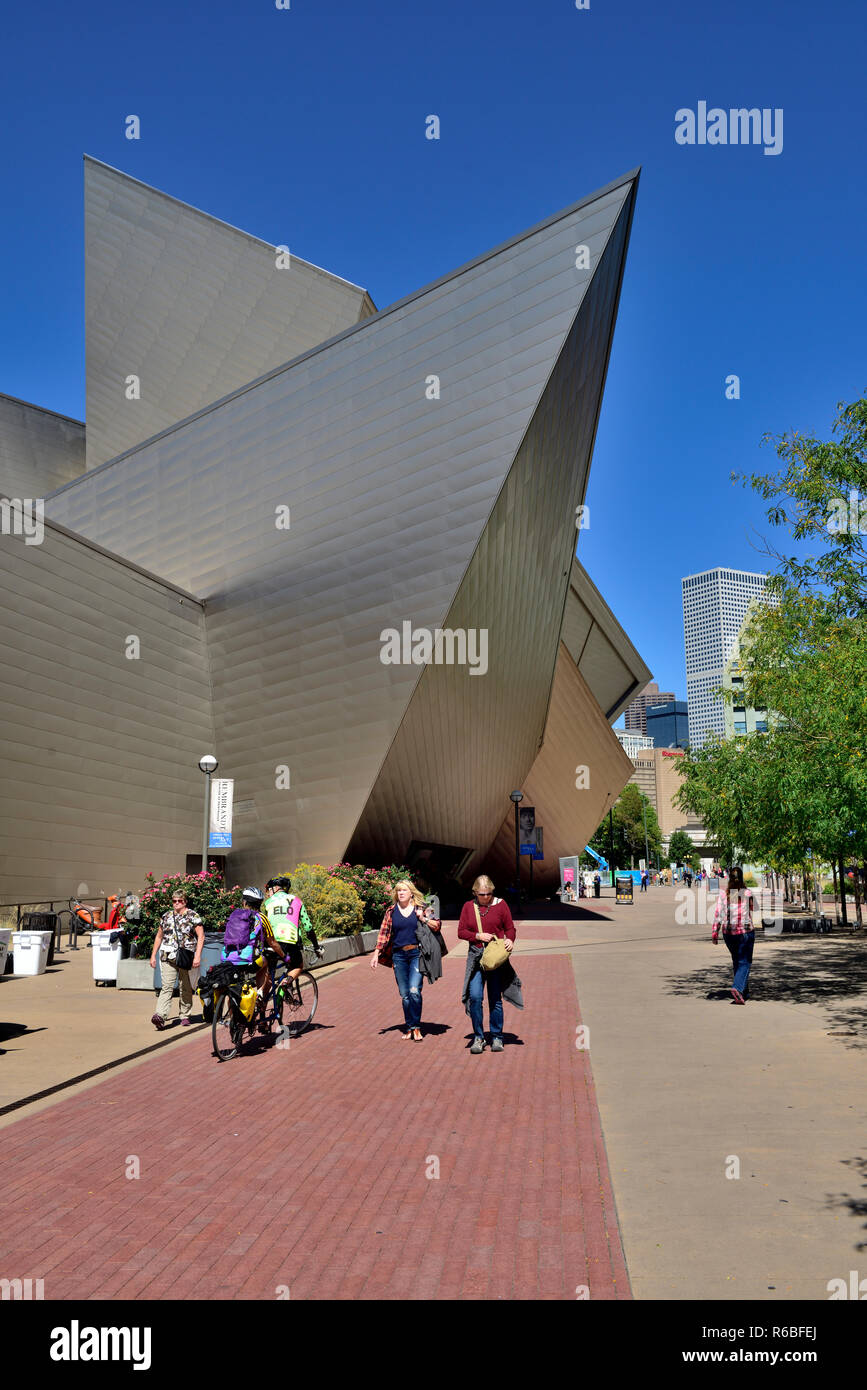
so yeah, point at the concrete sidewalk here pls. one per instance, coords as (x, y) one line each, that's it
(733, 1137)
(691, 1087)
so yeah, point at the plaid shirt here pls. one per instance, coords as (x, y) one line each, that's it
(735, 914)
(384, 937)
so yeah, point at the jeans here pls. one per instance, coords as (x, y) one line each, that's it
(741, 950)
(478, 982)
(409, 982)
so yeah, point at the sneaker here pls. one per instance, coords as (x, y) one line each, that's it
(737, 997)
(478, 1046)
(497, 1044)
(185, 1022)
(158, 1022)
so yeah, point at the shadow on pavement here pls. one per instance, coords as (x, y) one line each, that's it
(545, 911)
(807, 971)
(856, 1206)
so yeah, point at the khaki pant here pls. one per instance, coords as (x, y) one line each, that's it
(171, 976)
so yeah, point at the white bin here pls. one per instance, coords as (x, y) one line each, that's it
(30, 952)
(5, 935)
(105, 956)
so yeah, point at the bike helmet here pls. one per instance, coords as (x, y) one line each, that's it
(285, 883)
(251, 895)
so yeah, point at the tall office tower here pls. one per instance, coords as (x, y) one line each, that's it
(635, 714)
(715, 603)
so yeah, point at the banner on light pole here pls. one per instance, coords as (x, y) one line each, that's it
(220, 825)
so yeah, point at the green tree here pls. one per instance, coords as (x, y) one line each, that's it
(682, 850)
(628, 824)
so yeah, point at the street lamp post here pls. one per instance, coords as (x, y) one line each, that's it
(208, 764)
(517, 797)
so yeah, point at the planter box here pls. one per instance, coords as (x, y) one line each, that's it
(137, 973)
(342, 947)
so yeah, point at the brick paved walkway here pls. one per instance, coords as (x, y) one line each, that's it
(307, 1167)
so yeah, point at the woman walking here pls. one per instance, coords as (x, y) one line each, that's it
(734, 909)
(179, 941)
(487, 919)
(407, 942)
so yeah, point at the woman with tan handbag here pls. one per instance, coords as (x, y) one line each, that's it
(486, 924)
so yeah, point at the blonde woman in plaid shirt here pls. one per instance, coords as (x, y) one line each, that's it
(734, 910)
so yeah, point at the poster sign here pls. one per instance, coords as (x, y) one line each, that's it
(569, 873)
(533, 845)
(624, 888)
(526, 829)
(220, 829)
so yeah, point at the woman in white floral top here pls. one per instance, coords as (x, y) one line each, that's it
(180, 929)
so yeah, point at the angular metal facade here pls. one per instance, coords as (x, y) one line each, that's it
(39, 451)
(403, 508)
(600, 648)
(515, 588)
(189, 305)
(570, 802)
(98, 750)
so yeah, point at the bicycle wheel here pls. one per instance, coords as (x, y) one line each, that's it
(226, 1031)
(300, 998)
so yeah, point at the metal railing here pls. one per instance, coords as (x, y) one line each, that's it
(75, 923)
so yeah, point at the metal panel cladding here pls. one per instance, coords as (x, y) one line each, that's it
(39, 451)
(106, 711)
(349, 490)
(189, 307)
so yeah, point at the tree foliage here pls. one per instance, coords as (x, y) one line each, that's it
(802, 785)
(628, 824)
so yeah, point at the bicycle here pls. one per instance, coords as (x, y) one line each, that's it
(297, 999)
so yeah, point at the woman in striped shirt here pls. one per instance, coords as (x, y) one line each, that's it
(734, 910)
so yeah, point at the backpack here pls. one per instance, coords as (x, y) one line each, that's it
(241, 939)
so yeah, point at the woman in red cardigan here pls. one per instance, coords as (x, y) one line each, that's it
(484, 920)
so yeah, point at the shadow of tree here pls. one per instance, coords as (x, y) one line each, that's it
(803, 970)
(856, 1206)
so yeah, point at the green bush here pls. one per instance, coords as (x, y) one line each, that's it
(205, 894)
(373, 887)
(334, 907)
(749, 880)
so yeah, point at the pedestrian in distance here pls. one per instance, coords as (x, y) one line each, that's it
(644, 877)
(734, 913)
(410, 941)
(484, 920)
(179, 941)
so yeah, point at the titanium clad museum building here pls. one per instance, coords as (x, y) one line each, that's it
(332, 545)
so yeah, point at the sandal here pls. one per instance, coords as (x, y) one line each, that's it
(406, 1036)
(417, 1035)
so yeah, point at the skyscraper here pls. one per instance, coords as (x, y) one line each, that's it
(635, 714)
(715, 603)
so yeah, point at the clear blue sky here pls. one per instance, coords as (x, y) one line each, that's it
(306, 127)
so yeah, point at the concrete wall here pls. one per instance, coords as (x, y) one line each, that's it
(98, 753)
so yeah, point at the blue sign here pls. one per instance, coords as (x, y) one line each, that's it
(220, 839)
(530, 848)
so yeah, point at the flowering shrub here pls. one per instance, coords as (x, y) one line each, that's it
(373, 886)
(204, 893)
(334, 907)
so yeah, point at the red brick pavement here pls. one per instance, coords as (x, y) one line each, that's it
(307, 1166)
